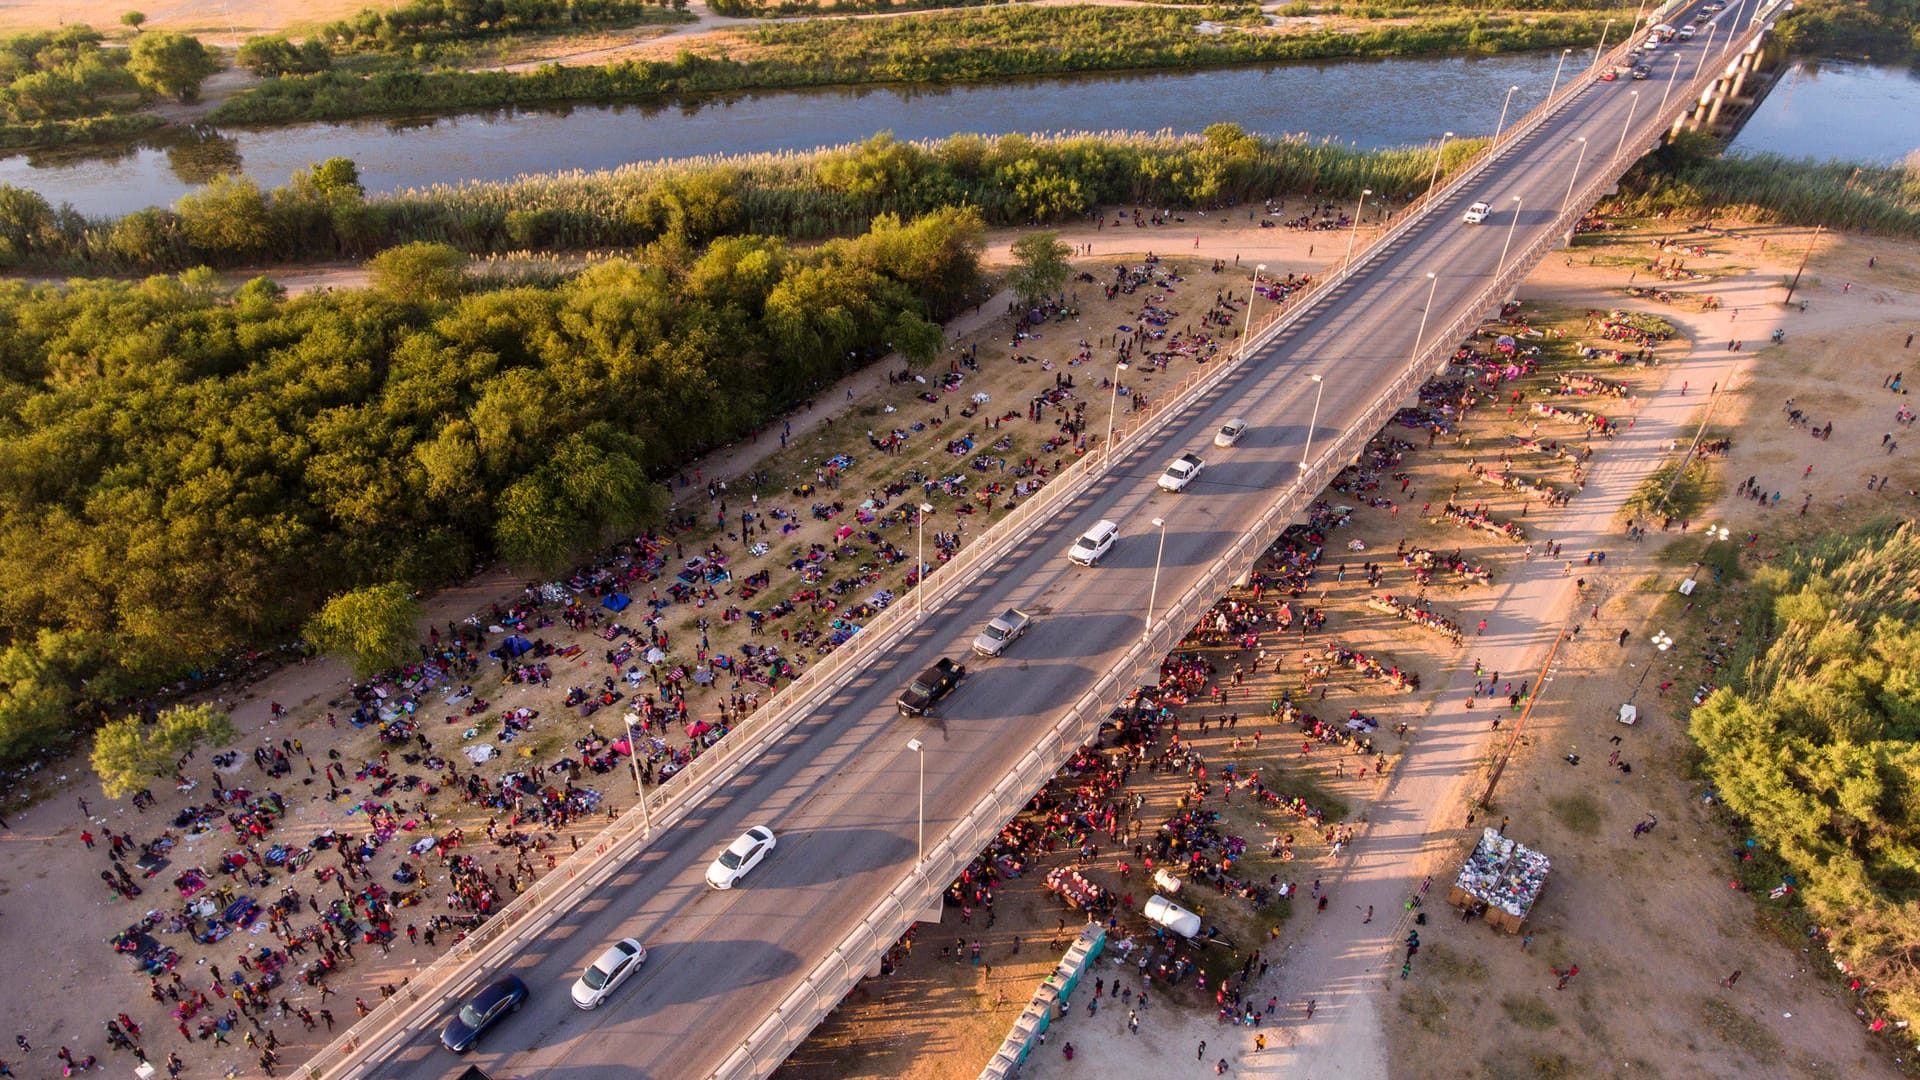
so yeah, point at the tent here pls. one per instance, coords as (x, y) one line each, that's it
(616, 601)
(515, 645)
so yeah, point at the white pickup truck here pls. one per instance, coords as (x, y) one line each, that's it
(1002, 631)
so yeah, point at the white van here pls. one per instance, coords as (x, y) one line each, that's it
(1090, 548)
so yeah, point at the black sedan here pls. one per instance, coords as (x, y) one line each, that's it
(496, 999)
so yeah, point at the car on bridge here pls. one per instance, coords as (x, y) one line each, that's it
(928, 687)
(495, 1000)
(1641, 71)
(1230, 432)
(741, 856)
(605, 974)
(1476, 213)
(1181, 471)
(1003, 630)
(1686, 33)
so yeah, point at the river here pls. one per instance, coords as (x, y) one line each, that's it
(1370, 103)
(1827, 109)
(1838, 109)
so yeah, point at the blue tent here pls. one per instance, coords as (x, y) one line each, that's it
(515, 645)
(616, 601)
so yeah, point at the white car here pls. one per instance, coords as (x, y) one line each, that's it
(1476, 213)
(741, 856)
(1686, 33)
(1181, 472)
(608, 972)
(1230, 432)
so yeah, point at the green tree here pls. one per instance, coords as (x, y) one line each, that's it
(419, 273)
(127, 753)
(35, 703)
(916, 340)
(171, 65)
(269, 56)
(228, 219)
(372, 627)
(1040, 266)
(134, 20)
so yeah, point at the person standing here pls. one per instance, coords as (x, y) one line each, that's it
(1198, 1055)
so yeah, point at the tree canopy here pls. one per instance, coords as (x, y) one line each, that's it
(248, 458)
(133, 750)
(171, 65)
(1040, 265)
(1816, 747)
(372, 626)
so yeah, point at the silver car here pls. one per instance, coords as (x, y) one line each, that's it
(1230, 432)
(608, 972)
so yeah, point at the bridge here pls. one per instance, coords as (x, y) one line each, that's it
(736, 979)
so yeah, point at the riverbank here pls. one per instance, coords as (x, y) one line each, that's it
(945, 47)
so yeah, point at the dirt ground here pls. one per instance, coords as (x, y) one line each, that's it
(1615, 905)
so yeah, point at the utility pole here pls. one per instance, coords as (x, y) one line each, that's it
(1795, 283)
(1539, 684)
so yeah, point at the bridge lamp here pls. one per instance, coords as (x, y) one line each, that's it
(1153, 595)
(1503, 113)
(1320, 387)
(1354, 232)
(1582, 156)
(1631, 105)
(1501, 268)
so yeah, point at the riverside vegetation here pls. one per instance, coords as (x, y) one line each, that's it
(945, 46)
(1816, 746)
(1010, 180)
(186, 471)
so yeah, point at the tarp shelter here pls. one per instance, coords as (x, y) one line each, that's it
(1164, 912)
(1505, 876)
(515, 645)
(616, 601)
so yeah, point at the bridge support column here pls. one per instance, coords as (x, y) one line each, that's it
(1741, 68)
(1719, 102)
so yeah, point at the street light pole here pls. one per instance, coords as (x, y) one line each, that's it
(1582, 156)
(1624, 128)
(1433, 282)
(1354, 233)
(1503, 113)
(920, 567)
(1437, 156)
(1113, 405)
(920, 829)
(1252, 294)
(1320, 387)
(1502, 266)
(1601, 49)
(1707, 48)
(1564, 53)
(1153, 594)
(1671, 75)
(633, 754)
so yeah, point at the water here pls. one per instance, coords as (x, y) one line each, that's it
(1838, 109)
(1369, 103)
